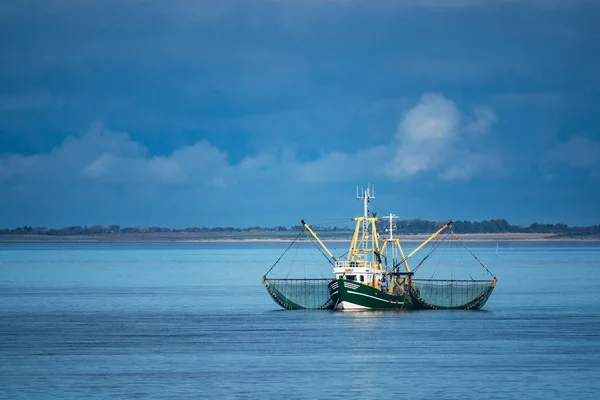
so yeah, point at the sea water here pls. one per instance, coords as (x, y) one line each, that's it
(178, 321)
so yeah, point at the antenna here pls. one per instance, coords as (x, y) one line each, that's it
(391, 218)
(365, 196)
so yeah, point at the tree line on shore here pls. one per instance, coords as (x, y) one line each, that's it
(413, 226)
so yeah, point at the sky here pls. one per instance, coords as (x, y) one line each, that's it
(261, 113)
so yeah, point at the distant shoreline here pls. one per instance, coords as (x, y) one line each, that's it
(195, 238)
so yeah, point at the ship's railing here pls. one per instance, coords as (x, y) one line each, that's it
(354, 264)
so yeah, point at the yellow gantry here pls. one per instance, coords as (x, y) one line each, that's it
(395, 242)
(355, 250)
(367, 243)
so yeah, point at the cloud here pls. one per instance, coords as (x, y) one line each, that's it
(102, 156)
(482, 120)
(433, 137)
(64, 162)
(200, 162)
(342, 167)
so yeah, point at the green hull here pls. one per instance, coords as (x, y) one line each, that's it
(354, 296)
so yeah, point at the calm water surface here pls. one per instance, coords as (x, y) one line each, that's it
(108, 321)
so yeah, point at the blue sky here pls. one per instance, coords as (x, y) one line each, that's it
(242, 113)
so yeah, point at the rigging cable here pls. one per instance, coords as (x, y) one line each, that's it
(469, 250)
(379, 208)
(431, 251)
(286, 250)
(438, 263)
(312, 240)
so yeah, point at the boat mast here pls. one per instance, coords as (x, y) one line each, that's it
(366, 196)
(394, 243)
(391, 218)
(367, 245)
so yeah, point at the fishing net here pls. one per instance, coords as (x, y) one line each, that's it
(469, 285)
(451, 294)
(292, 281)
(300, 293)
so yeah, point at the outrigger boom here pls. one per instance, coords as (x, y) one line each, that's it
(305, 225)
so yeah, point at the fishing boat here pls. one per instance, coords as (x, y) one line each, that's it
(374, 274)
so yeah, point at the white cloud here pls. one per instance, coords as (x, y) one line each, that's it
(433, 137)
(435, 118)
(96, 152)
(199, 162)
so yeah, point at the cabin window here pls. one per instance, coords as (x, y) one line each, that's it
(351, 277)
(362, 278)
